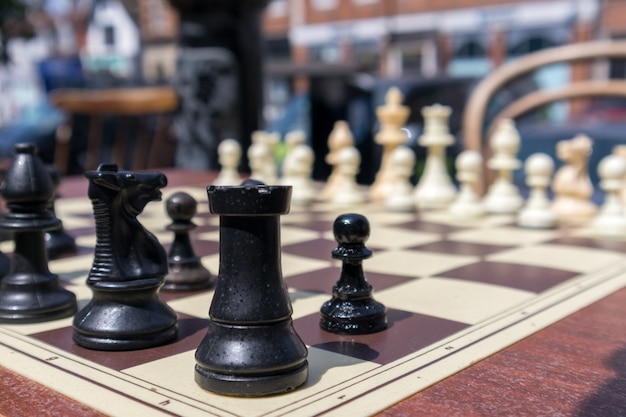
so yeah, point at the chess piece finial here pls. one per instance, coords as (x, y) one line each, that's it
(129, 266)
(402, 160)
(572, 186)
(352, 308)
(229, 152)
(503, 196)
(30, 292)
(611, 219)
(340, 137)
(537, 212)
(186, 271)
(467, 205)
(435, 189)
(392, 117)
(436, 126)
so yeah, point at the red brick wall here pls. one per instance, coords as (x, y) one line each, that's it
(417, 6)
(613, 17)
(348, 10)
(275, 25)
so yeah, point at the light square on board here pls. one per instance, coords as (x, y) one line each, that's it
(442, 216)
(394, 238)
(448, 298)
(292, 235)
(196, 305)
(325, 369)
(417, 263)
(513, 236)
(33, 328)
(577, 259)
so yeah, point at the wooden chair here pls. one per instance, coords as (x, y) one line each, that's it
(138, 117)
(476, 130)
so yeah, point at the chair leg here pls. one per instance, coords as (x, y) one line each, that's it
(63, 137)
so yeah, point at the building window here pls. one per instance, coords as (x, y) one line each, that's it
(109, 35)
(531, 44)
(412, 59)
(325, 4)
(617, 66)
(277, 8)
(366, 56)
(328, 54)
(278, 49)
(471, 49)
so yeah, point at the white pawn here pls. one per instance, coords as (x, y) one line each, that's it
(339, 138)
(620, 150)
(261, 163)
(298, 167)
(611, 220)
(347, 164)
(503, 196)
(467, 205)
(229, 155)
(402, 165)
(269, 170)
(537, 213)
(435, 189)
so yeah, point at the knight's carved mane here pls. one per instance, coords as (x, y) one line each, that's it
(125, 250)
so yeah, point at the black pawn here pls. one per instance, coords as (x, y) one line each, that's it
(352, 309)
(30, 292)
(251, 347)
(185, 269)
(58, 241)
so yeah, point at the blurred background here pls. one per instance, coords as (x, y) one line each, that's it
(243, 65)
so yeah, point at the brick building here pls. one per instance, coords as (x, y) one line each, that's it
(399, 38)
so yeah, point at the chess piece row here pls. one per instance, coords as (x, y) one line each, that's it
(250, 307)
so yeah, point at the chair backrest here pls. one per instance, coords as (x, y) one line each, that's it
(126, 126)
(475, 132)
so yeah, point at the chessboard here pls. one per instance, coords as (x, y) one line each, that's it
(456, 293)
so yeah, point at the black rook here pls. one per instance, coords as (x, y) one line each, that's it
(251, 347)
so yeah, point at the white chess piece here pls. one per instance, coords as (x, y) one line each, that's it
(298, 167)
(229, 155)
(537, 212)
(572, 186)
(402, 166)
(340, 137)
(611, 220)
(268, 140)
(620, 150)
(468, 205)
(435, 189)
(503, 196)
(261, 164)
(392, 117)
(348, 192)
